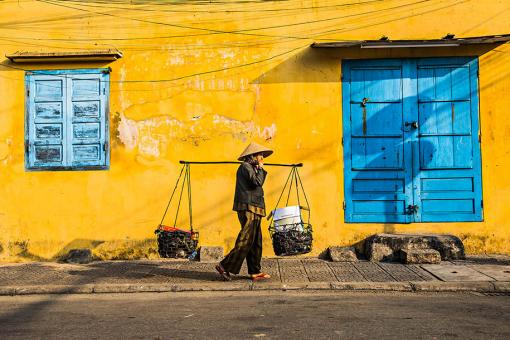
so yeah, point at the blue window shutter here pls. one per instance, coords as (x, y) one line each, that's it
(45, 126)
(67, 120)
(448, 165)
(86, 121)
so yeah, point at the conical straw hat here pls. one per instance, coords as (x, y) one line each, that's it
(254, 148)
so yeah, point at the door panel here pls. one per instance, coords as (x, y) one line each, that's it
(374, 135)
(448, 117)
(411, 149)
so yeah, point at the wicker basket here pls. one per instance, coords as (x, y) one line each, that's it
(176, 243)
(291, 239)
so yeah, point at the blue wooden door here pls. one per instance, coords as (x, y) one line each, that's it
(447, 161)
(404, 160)
(377, 155)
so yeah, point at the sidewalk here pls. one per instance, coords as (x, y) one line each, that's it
(489, 274)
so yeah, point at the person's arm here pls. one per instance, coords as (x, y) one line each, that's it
(256, 177)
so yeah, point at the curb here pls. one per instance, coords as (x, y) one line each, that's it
(418, 286)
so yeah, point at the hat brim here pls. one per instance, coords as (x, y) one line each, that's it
(265, 153)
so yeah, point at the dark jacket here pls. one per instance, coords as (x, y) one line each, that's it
(249, 181)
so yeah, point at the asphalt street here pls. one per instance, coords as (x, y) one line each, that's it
(272, 315)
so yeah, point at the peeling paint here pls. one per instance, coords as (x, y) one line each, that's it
(149, 146)
(176, 60)
(227, 54)
(154, 134)
(124, 102)
(5, 154)
(128, 132)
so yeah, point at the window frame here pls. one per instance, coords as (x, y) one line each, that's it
(104, 128)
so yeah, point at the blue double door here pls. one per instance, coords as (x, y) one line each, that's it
(411, 140)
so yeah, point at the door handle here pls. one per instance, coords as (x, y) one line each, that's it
(412, 209)
(413, 125)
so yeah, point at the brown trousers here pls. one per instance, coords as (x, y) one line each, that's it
(248, 245)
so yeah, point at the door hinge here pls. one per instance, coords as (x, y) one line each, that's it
(481, 203)
(105, 146)
(344, 205)
(28, 92)
(342, 141)
(480, 137)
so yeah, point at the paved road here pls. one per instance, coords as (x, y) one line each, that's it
(273, 315)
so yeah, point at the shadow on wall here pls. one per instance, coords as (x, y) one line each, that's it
(323, 65)
(19, 249)
(101, 250)
(76, 244)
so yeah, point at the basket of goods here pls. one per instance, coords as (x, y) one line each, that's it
(174, 242)
(290, 234)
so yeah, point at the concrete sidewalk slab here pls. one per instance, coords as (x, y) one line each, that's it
(502, 287)
(498, 273)
(378, 286)
(451, 272)
(287, 274)
(440, 286)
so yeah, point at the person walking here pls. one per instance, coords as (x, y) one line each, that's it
(250, 207)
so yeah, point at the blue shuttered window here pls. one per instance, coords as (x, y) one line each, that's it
(411, 147)
(67, 120)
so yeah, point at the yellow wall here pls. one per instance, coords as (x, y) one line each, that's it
(274, 90)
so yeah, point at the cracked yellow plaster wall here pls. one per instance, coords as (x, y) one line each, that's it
(271, 88)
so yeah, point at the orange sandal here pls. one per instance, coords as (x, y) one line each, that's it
(260, 276)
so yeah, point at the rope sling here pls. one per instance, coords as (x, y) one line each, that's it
(291, 236)
(172, 241)
(291, 239)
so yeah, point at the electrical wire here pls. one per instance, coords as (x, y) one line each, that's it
(211, 71)
(240, 44)
(224, 10)
(240, 32)
(181, 77)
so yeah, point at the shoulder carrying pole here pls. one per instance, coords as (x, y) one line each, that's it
(297, 165)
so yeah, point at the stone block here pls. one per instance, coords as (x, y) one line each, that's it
(81, 256)
(342, 254)
(450, 247)
(387, 247)
(420, 256)
(211, 254)
(379, 252)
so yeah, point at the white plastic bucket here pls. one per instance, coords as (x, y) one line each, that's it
(286, 216)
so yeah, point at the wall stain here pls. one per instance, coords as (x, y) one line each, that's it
(153, 136)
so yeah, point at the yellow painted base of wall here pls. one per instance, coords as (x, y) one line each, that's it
(25, 251)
